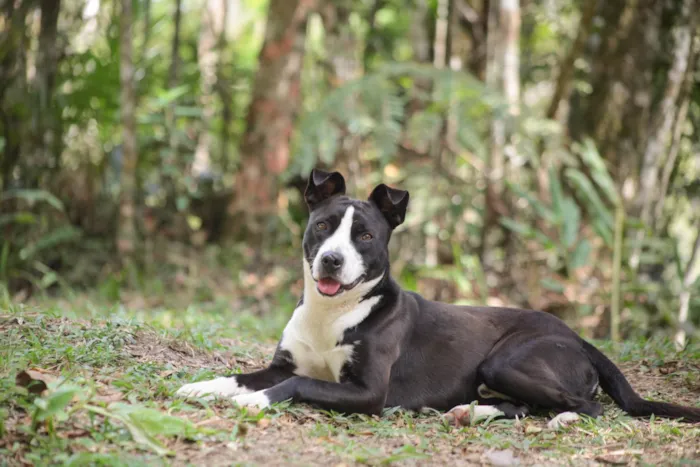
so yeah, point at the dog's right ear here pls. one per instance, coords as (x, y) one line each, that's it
(323, 185)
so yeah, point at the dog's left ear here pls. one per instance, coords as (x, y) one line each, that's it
(323, 185)
(391, 202)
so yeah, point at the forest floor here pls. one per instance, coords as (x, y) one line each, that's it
(83, 384)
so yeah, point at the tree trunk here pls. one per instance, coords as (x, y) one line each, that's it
(46, 139)
(271, 114)
(420, 36)
(126, 233)
(502, 75)
(371, 48)
(173, 79)
(442, 36)
(147, 25)
(678, 127)
(174, 70)
(475, 23)
(561, 92)
(622, 86)
(566, 69)
(662, 123)
(208, 57)
(13, 86)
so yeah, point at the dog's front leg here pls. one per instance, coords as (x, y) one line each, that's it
(346, 397)
(229, 386)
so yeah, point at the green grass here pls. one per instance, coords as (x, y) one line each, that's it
(111, 373)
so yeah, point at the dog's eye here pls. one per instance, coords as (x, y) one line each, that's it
(321, 226)
(366, 237)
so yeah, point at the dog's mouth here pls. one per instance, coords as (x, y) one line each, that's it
(331, 287)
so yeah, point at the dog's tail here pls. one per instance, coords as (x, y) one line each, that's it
(618, 388)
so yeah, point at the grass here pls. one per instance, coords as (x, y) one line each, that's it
(98, 384)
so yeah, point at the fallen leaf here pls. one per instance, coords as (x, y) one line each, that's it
(35, 380)
(531, 429)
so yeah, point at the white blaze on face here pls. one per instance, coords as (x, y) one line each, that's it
(341, 242)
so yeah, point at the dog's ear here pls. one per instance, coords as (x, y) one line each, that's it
(323, 185)
(391, 202)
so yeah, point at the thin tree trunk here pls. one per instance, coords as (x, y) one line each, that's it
(46, 137)
(476, 24)
(174, 70)
(678, 127)
(440, 47)
(691, 275)
(502, 74)
(224, 85)
(663, 122)
(126, 233)
(171, 159)
(13, 86)
(420, 37)
(274, 107)
(371, 46)
(208, 57)
(147, 26)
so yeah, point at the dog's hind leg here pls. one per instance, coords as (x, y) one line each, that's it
(465, 414)
(544, 372)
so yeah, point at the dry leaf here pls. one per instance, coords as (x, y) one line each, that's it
(531, 429)
(35, 380)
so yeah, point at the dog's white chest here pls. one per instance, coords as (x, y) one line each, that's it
(312, 336)
(325, 364)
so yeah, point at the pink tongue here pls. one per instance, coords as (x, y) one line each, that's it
(328, 286)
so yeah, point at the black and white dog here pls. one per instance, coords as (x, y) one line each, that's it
(358, 343)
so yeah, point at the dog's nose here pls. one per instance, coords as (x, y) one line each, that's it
(332, 261)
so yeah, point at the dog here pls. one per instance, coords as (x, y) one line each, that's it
(357, 342)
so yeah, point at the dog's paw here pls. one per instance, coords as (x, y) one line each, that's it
(208, 390)
(562, 420)
(462, 415)
(257, 399)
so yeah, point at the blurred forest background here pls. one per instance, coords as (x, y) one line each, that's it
(155, 152)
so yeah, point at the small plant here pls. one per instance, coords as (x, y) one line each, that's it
(32, 229)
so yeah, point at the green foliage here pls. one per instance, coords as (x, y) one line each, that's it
(31, 236)
(374, 109)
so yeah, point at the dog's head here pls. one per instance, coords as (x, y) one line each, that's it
(346, 240)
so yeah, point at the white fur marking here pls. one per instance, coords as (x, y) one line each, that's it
(218, 387)
(341, 242)
(483, 411)
(480, 411)
(318, 324)
(562, 420)
(594, 391)
(488, 393)
(255, 399)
